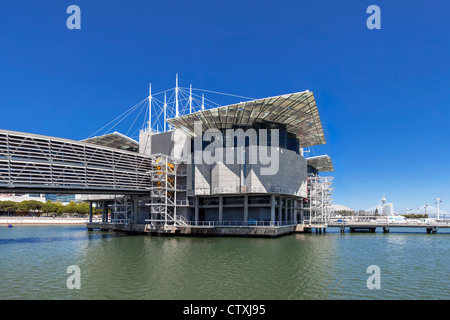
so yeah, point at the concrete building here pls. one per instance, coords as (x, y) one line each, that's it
(239, 169)
(19, 197)
(63, 198)
(213, 175)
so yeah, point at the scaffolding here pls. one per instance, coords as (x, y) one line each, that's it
(122, 210)
(320, 191)
(163, 203)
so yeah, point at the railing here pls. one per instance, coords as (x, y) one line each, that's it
(315, 222)
(241, 223)
(183, 203)
(382, 221)
(121, 221)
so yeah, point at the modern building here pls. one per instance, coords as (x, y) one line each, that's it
(239, 169)
(213, 175)
(19, 197)
(63, 198)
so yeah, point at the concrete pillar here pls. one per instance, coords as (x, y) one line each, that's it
(280, 210)
(90, 211)
(220, 208)
(196, 210)
(285, 210)
(135, 210)
(301, 211)
(289, 209)
(104, 217)
(272, 209)
(293, 212)
(245, 209)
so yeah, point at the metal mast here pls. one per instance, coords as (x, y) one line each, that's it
(437, 202)
(190, 99)
(176, 98)
(203, 101)
(150, 108)
(165, 111)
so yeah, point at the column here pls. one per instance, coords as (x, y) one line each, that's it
(289, 203)
(220, 208)
(285, 210)
(301, 211)
(196, 210)
(280, 210)
(135, 210)
(90, 211)
(292, 210)
(103, 211)
(245, 209)
(272, 209)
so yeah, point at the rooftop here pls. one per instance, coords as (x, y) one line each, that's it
(115, 140)
(321, 163)
(298, 111)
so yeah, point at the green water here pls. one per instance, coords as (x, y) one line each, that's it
(34, 261)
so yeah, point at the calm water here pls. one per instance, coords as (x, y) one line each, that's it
(34, 261)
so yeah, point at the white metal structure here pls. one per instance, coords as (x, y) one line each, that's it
(42, 164)
(163, 192)
(319, 189)
(438, 200)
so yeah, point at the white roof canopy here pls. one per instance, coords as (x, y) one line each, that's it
(321, 163)
(298, 111)
(115, 140)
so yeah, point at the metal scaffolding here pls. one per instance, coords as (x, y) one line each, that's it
(320, 190)
(163, 189)
(123, 210)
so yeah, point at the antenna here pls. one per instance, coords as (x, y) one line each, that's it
(203, 101)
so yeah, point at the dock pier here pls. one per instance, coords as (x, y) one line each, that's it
(355, 226)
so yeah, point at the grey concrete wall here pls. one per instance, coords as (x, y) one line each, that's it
(226, 178)
(202, 179)
(173, 143)
(162, 143)
(290, 179)
(237, 214)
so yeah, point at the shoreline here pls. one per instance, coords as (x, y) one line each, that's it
(41, 220)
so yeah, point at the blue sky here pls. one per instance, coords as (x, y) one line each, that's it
(383, 95)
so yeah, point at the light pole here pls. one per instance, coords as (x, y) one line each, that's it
(437, 202)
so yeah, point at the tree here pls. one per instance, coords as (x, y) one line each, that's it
(59, 208)
(49, 207)
(72, 207)
(29, 205)
(8, 206)
(83, 208)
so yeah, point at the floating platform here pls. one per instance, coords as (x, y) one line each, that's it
(239, 231)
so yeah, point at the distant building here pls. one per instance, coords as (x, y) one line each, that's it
(19, 197)
(382, 208)
(63, 198)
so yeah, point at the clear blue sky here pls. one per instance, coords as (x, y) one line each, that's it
(383, 95)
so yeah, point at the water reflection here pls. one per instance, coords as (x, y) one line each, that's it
(300, 266)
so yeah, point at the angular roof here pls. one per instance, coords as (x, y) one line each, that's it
(115, 140)
(298, 111)
(321, 163)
